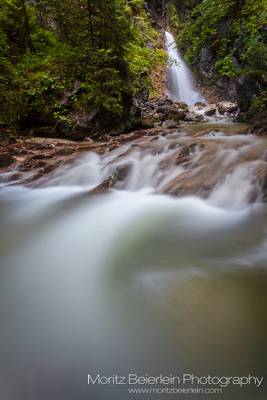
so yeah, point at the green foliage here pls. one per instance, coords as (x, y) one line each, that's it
(234, 31)
(174, 17)
(226, 67)
(108, 46)
(202, 26)
(258, 104)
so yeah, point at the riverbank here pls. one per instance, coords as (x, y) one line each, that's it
(27, 160)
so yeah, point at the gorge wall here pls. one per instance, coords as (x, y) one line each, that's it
(225, 43)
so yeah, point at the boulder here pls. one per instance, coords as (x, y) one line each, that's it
(164, 101)
(171, 112)
(193, 117)
(149, 121)
(200, 105)
(181, 105)
(170, 124)
(227, 107)
(210, 112)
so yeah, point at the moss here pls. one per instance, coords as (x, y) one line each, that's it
(233, 31)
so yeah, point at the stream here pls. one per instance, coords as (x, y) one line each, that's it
(135, 280)
(165, 273)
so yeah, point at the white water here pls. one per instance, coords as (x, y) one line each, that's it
(132, 281)
(179, 78)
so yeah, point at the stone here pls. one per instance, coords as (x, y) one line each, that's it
(227, 107)
(210, 112)
(149, 121)
(182, 105)
(200, 105)
(164, 101)
(193, 117)
(170, 124)
(171, 112)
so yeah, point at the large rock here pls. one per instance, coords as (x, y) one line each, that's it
(149, 121)
(170, 124)
(227, 107)
(162, 101)
(171, 112)
(182, 105)
(200, 105)
(210, 111)
(194, 117)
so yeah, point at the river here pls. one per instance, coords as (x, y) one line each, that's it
(136, 280)
(163, 274)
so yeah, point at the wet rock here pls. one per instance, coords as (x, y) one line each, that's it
(210, 112)
(194, 117)
(170, 124)
(182, 106)
(122, 172)
(103, 186)
(200, 105)
(171, 112)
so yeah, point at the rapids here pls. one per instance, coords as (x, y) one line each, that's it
(135, 280)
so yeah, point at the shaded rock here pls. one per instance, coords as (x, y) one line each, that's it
(6, 160)
(193, 117)
(181, 105)
(167, 109)
(260, 127)
(164, 101)
(122, 171)
(206, 55)
(180, 114)
(210, 112)
(150, 121)
(246, 88)
(171, 112)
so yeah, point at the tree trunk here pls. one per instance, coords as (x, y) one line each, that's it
(28, 39)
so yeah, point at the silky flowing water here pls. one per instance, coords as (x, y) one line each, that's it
(163, 274)
(179, 78)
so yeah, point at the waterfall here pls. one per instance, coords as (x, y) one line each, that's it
(179, 79)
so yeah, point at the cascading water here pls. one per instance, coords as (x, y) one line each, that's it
(136, 281)
(179, 79)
